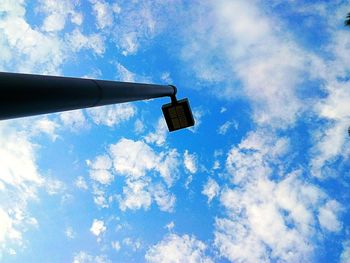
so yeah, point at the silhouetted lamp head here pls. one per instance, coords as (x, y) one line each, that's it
(178, 114)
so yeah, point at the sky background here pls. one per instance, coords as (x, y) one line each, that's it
(263, 176)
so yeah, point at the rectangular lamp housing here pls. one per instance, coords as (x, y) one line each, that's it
(178, 115)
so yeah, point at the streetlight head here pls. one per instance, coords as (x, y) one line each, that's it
(178, 114)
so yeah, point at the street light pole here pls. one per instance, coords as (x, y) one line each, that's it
(24, 95)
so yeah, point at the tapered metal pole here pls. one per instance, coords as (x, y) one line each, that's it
(25, 95)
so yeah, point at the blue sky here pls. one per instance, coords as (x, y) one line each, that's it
(262, 177)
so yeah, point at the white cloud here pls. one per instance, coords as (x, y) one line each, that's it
(81, 183)
(98, 227)
(223, 109)
(226, 126)
(100, 197)
(190, 162)
(328, 216)
(211, 189)
(8, 230)
(54, 186)
(338, 46)
(141, 193)
(132, 158)
(18, 162)
(166, 77)
(139, 126)
(24, 48)
(103, 12)
(46, 126)
(112, 115)
(188, 181)
(54, 22)
(9, 7)
(136, 161)
(56, 13)
(129, 44)
(137, 24)
(78, 41)
(84, 257)
(170, 226)
(136, 195)
(159, 135)
(164, 199)
(77, 18)
(247, 161)
(69, 232)
(101, 176)
(124, 74)
(198, 115)
(330, 143)
(134, 244)
(331, 139)
(286, 205)
(168, 166)
(115, 245)
(19, 182)
(262, 56)
(255, 223)
(216, 165)
(73, 120)
(174, 248)
(100, 169)
(116, 8)
(345, 255)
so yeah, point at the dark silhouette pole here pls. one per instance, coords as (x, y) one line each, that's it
(25, 95)
(347, 21)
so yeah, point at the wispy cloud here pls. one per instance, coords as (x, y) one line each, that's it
(112, 115)
(211, 189)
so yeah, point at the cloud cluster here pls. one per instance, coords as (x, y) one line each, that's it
(57, 12)
(240, 54)
(136, 161)
(44, 49)
(24, 47)
(175, 248)
(132, 24)
(267, 203)
(20, 181)
(266, 64)
(330, 140)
